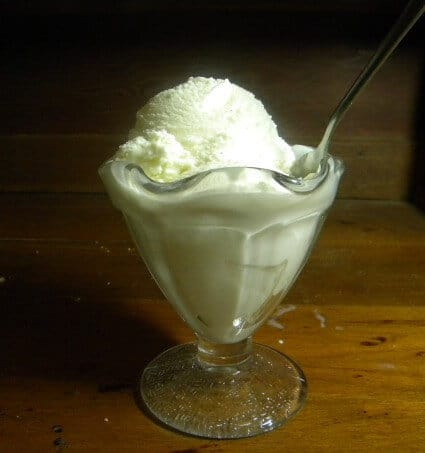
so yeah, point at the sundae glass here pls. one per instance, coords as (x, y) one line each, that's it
(224, 245)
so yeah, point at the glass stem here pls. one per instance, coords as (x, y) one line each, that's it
(218, 354)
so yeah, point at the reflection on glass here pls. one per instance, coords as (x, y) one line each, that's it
(224, 246)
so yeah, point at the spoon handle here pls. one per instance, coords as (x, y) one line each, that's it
(405, 22)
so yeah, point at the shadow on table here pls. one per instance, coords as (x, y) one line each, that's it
(417, 176)
(59, 338)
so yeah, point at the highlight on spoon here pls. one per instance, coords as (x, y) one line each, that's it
(309, 162)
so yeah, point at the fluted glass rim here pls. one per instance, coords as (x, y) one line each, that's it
(294, 184)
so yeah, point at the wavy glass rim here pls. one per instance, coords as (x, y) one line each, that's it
(127, 169)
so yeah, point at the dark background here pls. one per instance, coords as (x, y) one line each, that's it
(73, 68)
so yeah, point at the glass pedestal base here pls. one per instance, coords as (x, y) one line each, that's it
(258, 394)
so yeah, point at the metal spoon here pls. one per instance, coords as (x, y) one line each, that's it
(309, 162)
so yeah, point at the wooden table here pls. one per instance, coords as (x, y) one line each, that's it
(81, 318)
(80, 315)
(365, 371)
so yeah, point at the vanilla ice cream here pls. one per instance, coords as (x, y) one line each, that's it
(202, 124)
(224, 241)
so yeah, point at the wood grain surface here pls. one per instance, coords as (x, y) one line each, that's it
(78, 246)
(91, 90)
(75, 364)
(69, 163)
(71, 93)
(58, 128)
(81, 317)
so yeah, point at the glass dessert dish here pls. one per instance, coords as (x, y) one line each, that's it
(224, 246)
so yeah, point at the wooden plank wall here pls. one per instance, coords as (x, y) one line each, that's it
(71, 84)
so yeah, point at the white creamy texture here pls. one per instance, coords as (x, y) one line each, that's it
(225, 246)
(203, 124)
(223, 254)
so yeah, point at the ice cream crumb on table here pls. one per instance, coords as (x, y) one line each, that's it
(318, 315)
(283, 309)
(275, 323)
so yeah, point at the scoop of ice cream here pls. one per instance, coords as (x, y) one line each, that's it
(203, 124)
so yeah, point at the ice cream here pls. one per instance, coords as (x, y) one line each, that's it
(224, 241)
(202, 124)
